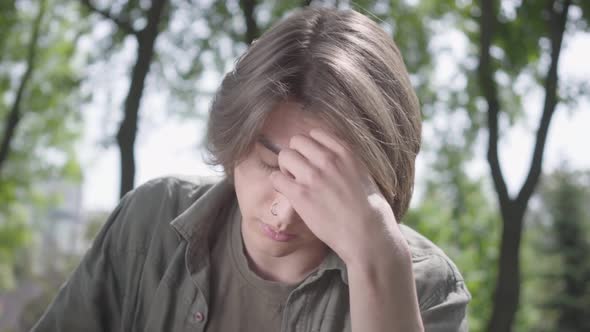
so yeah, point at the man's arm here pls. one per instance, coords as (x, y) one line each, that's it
(383, 294)
(90, 300)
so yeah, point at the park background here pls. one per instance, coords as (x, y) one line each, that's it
(100, 96)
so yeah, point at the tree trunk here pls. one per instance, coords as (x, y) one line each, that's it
(128, 130)
(507, 292)
(249, 7)
(15, 114)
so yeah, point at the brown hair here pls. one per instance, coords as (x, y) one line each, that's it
(343, 68)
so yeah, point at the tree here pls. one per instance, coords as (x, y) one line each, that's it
(514, 42)
(15, 114)
(456, 213)
(512, 48)
(154, 16)
(38, 99)
(497, 30)
(563, 217)
(175, 56)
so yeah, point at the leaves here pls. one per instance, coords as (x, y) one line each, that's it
(201, 40)
(559, 237)
(43, 143)
(457, 213)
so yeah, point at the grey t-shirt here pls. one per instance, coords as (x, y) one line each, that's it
(240, 299)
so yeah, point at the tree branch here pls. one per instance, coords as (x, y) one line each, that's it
(558, 18)
(490, 92)
(15, 112)
(127, 133)
(121, 23)
(249, 6)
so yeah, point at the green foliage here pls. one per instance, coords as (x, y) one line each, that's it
(43, 144)
(560, 233)
(13, 235)
(458, 214)
(520, 52)
(50, 285)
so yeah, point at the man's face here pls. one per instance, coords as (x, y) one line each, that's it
(284, 234)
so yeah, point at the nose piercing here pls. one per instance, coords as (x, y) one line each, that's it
(273, 209)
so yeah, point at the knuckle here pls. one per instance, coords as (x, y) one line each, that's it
(281, 156)
(314, 176)
(295, 141)
(342, 151)
(314, 131)
(327, 161)
(301, 192)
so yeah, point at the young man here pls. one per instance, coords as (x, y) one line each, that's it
(317, 129)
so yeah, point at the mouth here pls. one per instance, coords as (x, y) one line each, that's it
(274, 235)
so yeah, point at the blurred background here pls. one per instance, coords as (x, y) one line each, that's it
(100, 96)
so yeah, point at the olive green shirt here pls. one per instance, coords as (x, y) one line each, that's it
(149, 269)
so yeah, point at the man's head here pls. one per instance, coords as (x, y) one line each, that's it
(341, 69)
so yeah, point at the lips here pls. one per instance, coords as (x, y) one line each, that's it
(274, 235)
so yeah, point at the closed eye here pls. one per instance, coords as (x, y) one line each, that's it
(266, 167)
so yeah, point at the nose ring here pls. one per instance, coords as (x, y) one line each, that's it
(273, 209)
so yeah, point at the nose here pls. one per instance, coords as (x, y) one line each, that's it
(285, 214)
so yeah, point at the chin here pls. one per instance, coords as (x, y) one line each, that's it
(274, 251)
(274, 248)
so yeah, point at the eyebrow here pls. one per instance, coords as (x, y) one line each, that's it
(268, 144)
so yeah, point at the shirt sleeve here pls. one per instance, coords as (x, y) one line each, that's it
(91, 299)
(445, 307)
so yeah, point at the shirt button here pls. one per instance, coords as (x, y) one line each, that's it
(199, 317)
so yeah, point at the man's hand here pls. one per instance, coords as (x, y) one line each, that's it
(337, 198)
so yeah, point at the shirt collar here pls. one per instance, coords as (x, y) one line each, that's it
(334, 263)
(213, 201)
(208, 201)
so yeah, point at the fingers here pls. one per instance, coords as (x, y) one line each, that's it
(291, 162)
(309, 159)
(316, 154)
(330, 141)
(285, 185)
(307, 146)
(346, 157)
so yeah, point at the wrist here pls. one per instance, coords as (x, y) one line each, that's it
(380, 252)
(382, 267)
(388, 285)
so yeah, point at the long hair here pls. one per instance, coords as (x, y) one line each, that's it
(345, 69)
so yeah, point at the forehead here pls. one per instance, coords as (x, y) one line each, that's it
(289, 119)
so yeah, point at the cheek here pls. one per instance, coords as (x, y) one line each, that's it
(254, 192)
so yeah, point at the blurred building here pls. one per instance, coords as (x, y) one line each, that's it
(61, 226)
(58, 241)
